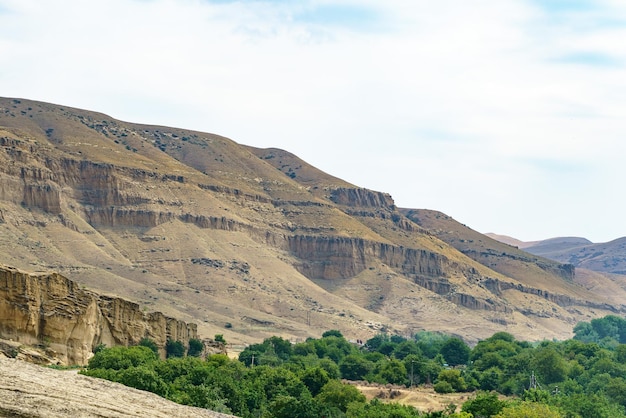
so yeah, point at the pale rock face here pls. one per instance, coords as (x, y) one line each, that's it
(50, 310)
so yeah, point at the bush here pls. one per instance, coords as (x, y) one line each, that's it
(332, 333)
(339, 395)
(195, 347)
(144, 379)
(147, 342)
(443, 387)
(529, 410)
(355, 367)
(120, 358)
(484, 405)
(174, 349)
(454, 378)
(455, 352)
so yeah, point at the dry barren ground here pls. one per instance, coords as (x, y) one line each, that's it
(424, 399)
(31, 391)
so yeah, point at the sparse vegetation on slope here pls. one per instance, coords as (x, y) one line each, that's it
(252, 243)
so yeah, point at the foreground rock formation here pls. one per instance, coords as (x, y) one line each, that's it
(31, 391)
(53, 312)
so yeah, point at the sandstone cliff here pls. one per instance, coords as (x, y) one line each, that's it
(246, 242)
(51, 311)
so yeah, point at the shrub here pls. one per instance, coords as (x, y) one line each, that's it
(332, 333)
(120, 358)
(174, 349)
(195, 347)
(443, 387)
(484, 405)
(147, 342)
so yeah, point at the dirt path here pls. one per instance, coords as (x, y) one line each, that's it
(31, 391)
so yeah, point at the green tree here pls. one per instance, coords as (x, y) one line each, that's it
(174, 349)
(331, 368)
(283, 348)
(195, 347)
(406, 348)
(375, 342)
(378, 409)
(147, 342)
(391, 371)
(414, 365)
(589, 405)
(550, 365)
(620, 353)
(355, 367)
(120, 358)
(430, 343)
(455, 352)
(339, 395)
(288, 407)
(144, 378)
(490, 379)
(315, 378)
(332, 333)
(484, 405)
(529, 410)
(454, 378)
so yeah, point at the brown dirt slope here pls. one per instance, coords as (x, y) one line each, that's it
(251, 243)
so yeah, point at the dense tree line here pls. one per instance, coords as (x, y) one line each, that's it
(581, 377)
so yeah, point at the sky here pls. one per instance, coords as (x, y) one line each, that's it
(508, 115)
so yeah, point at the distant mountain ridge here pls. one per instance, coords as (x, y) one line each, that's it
(250, 242)
(607, 257)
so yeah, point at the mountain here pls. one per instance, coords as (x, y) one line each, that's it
(250, 242)
(514, 242)
(608, 257)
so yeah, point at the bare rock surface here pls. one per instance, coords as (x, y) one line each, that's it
(28, 390)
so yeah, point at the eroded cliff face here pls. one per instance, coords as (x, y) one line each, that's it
(360, 197)
(52, 311)
(165, 216)
(340, 258)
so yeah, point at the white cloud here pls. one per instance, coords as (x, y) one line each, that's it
(507, 115)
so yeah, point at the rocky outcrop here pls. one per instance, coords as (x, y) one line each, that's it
(31, 391)
(54, 312)
(212, 222)
(359, 197)
(235, 192)
(498, 286)
(121, 216)
(328, 257)
(44, 196)
(565, 271)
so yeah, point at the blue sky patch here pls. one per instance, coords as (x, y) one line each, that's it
(339, 15)
(564, 6)
(595, 59)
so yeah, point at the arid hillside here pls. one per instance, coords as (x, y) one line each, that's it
(608, 257)
(251, 243)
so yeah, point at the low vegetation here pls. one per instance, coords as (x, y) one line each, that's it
(581, 377)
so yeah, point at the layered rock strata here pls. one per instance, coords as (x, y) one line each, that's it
(52, 311)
